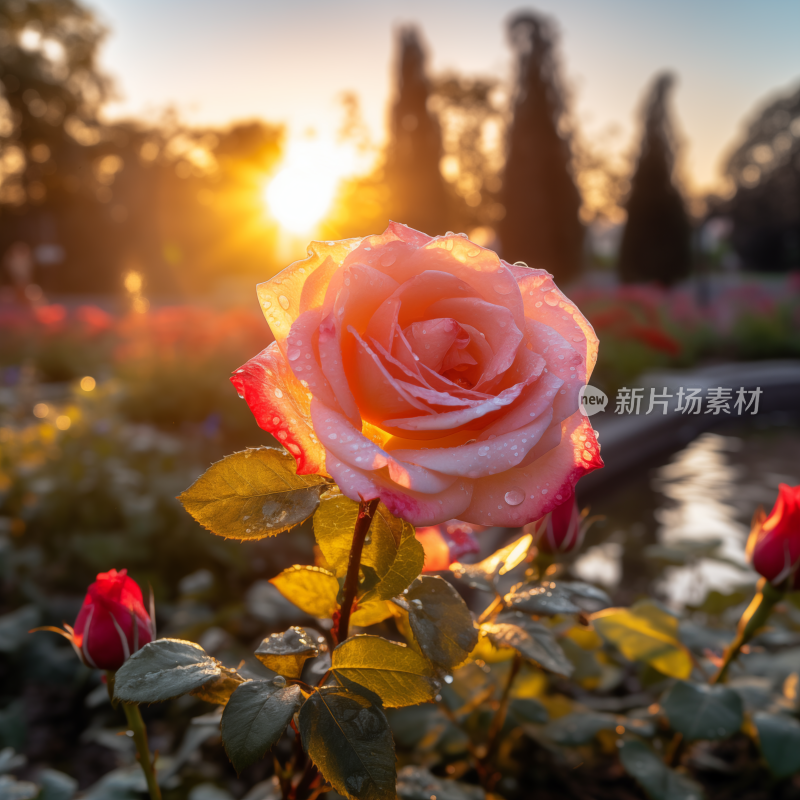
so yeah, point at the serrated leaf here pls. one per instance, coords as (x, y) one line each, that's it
(578, 727)
(164, 669)
(392, 556)
(220, 689)
(659, 781)
(253, 494)
(545, 599)
(371, 612)
(398, 675)
(312, 589)
(645, 633)
(482, 575)
(255, 718)
(532, 639)
(440, 621)
(699, 711)
(285, 653)
(349, 740)
(779, 737)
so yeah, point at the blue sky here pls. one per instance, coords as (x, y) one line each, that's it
(288, 61)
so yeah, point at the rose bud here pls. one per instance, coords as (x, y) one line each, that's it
(774, 543)
(446, 543)
(112, 622)
(429, 373)
(560, 531)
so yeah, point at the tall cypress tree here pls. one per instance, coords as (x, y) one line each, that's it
(656, 243)
(418, 195)
(541, 224)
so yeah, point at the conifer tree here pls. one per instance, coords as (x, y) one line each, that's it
(541, 224)
(418, 195)
(656, 243)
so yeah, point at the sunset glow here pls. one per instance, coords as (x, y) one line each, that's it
(302, 191)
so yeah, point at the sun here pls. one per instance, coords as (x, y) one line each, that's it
(301, 193)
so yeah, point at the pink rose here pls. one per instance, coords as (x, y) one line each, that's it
(560, 531)
(429, 373)
(451, 541)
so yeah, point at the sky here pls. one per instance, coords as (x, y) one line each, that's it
(290, 61)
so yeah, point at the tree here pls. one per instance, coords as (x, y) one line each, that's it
(541, 224)
(656, 243)
(765, 169)
(418, 195)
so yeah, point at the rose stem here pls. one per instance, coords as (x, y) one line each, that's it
(136, 724)
(502, 710)
(754, 618)
(366, 510)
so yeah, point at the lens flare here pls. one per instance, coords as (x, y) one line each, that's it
(302, 191)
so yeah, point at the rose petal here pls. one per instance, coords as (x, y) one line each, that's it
(280, 405)
(432, 339)
(455, 419)
(484, 457)
(330, 358)
(545, 483)
(495, 322)
(545, 302)
(285, 297)
(534, 401)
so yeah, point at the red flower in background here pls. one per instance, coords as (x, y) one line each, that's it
(451, 541)
(112, 622)
(774, 544)
(561, 530)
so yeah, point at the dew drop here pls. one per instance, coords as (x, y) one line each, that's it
(448, 678)
(294, 355)
(539, 304)
(241, 396)
(483, 451)
(278, 394)
(267, 304)
(504, 288)
(284, 301)
(416, 603)
(551, 299)
(514, 497)
(387, 259)
(279, 680)
(577, 338)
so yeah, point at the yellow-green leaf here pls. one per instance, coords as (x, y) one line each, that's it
(398, 675)
(253, 494)
(391, 548)
(311, 589)
(644, 632)
(482, 575)
(371, 613)
(287, 652)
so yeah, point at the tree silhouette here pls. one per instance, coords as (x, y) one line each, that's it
(418, 194)
(541, 225)
(656, 243)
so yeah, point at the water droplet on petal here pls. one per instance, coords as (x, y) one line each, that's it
(278, 394)
(551, 299)
(504, 288)
(387, 259)
(284, 301)
(294, 355)
(514, 497)
(577, 338)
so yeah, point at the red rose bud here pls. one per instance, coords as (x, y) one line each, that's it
(560, 531)
(112, 622)
(446, 543)
(774, 543)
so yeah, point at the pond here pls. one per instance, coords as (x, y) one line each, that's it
(662, 520)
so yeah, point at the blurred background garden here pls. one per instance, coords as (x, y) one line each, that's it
(157, 160)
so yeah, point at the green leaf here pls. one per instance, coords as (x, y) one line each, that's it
(391, 550)
(253, 494)
(164, 669)
(398, 675)
(659, 781)
(285, 653)
(579, 727)
(779, 737)
(703, 712)
(482, 575)
(533, 640)
(312, 589)
(220, 689)
(255, 718)
(349, 740)
(527, 709)
(440, 621)
(546, 599)
(646, 633)
(371, 612)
